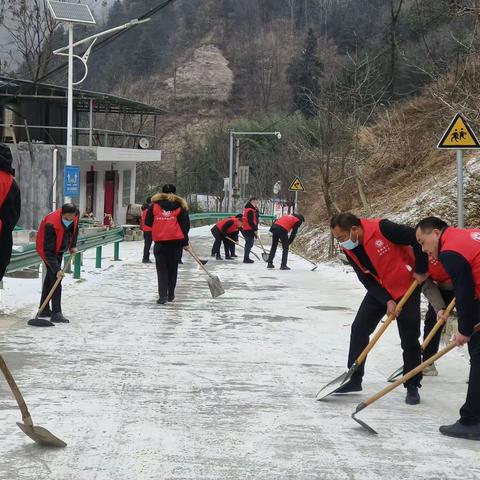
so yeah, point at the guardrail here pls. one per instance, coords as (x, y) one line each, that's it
(220, 215)
(29, 257)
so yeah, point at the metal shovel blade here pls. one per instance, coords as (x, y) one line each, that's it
(215, 285)
(204, 262)
(334, 385)
(314, 268)
(397, 373)
(265, 257)
(363, 424)
(41, 435)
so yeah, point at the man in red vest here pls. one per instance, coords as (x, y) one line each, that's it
(280, 230)
(386, 258)
(10, 205)
(458, 250)
(438, 288)
(170, 223)
(250, 221)
(147, 232)
(228, 227)
(56, 234)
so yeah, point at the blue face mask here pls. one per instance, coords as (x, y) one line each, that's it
(67, 223)
(350, 244)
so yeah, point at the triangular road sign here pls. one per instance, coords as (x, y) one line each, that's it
(296, 185)
(459, 135)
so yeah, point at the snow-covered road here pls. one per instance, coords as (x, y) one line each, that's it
(215, 389)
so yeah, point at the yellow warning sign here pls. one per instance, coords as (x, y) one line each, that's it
(459, 135)
(296, 185)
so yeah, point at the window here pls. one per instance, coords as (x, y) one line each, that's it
(127, 182)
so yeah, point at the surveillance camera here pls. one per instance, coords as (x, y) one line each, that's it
(279, 135)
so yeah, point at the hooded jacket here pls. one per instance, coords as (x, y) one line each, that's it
(251, 217)
(171, 202)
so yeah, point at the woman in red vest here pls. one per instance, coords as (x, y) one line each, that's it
(170, 223)
(250, 227)
(56, 234)
(9, 207)
(147, 232)
(386, 258)
(280, 230)
(228, 227)
(458, 250)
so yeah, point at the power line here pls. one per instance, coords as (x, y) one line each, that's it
(108, 40)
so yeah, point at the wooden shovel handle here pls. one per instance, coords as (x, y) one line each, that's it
(27, 419)
(233, 241)
(260, 241)
(361, 358)
(194, 256)
(55, 285)
(438, 326)
(414, 372)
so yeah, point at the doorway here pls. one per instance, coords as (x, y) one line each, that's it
(110, 195)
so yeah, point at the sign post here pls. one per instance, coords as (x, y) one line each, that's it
(459, 136)
(296, 186)
(71, 182)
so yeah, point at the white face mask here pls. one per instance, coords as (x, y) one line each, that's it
(350, 244)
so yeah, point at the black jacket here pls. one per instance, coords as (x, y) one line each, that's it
(169, 202)
(10, 209)
(50, 241)
(277, 228)
(252, 216)
(396, 233)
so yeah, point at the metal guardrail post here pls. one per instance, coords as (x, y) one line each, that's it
(77, 265)
(98, 257)
(116, 251)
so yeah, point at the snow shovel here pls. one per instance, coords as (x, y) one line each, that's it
(426, 341)
(265, 255)
(340, 381)
(39, 322)
(405, 378)
(216, 288)
(315, 266)
(38, 434)
(241, 246)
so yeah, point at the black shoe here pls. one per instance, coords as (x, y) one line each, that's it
(171, 298)
(218, 257)
(162, 300)
(413, 397)
(349, 387)
(40, 322)
(47, 313)
(58, 317)
(234, 256)
(284, 267)
(180, 262)
(458, 430)
(270, 265)
(248, 260)
(228, 258)
(146, 261)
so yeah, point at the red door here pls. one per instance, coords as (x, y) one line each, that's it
(109, 208)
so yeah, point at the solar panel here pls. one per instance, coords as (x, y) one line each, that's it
(71, 12)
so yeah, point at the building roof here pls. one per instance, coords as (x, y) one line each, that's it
(102, 102)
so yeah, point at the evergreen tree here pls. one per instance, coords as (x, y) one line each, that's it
(304, 74)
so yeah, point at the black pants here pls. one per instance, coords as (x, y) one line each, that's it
(219, 238)
(369, 314)
(230, 246)
(470, 411)
(147, 243)
(430, 321)
(249, 241)
(282, 236)
(6, 244)
(48, 283)
(167, 255)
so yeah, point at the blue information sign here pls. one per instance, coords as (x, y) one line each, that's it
(71, 181)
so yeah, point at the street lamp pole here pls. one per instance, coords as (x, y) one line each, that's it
(70, 100)
(234, 134)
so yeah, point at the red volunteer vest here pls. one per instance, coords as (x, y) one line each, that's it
(234, 228)
(287, 222)
(245, 225)
(6, 181)
(165, 224)
(393, 263)
(144, 227)
(437, 272)
(466, 242)
(54, 219)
